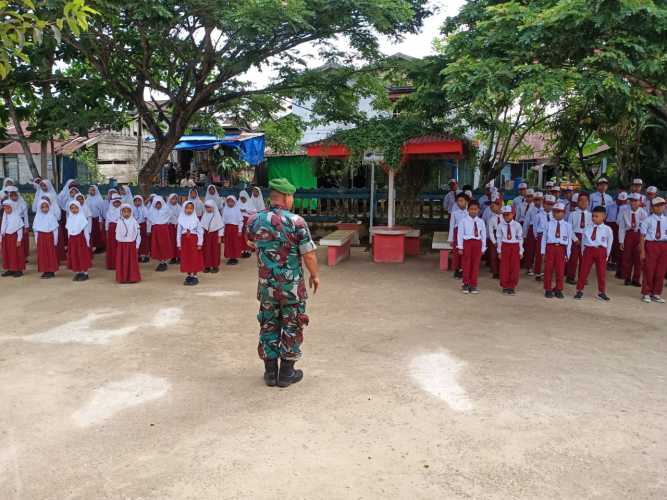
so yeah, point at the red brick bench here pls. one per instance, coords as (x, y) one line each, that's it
(338, 246)
(445, 247)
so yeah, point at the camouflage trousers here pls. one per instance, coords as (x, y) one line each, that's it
(281, 329)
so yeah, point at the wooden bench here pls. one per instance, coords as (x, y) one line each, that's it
(445, 247)
(338, 246)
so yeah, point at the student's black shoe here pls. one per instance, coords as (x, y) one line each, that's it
(84, 277)
(46, 276)
(538, 277)
(465, 289)
(99, 251)
(549, 294)
(474, 290)
(603, 296)
(76, 277)
(232, 262)
(570, 281)
(18, 274)
(271, 372)
(559, 295)
(161, 267)
(636, 284)
(207, 269)
(6, 274)
(215, 270)
(627, 283)
(579, 295)
(195, 280)
(458, 274)
(506, 291)
(174, 261)
(512, 291)
(245, 255)
(188, 281)
(287, 374)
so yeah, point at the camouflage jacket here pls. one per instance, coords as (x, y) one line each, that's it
(281, 239)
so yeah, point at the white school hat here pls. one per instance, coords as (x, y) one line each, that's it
(468, 193)
(623, 196)
(549, 199)
(530, 192)
(559, 206)
(507, 209)
(658, 201)
(549, 184)
(555, 188)
(523, 185)
(651, 189)
(539, 194)
(496, 197)
(637, 182)
(602, 181)
(634, 196)
(575, 197)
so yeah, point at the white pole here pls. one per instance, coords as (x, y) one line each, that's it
(392, 200)
(372, 202)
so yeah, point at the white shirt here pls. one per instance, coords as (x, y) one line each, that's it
(516, 233)
(604, 237)
(650, 226)
(625, 222)
(541, 220)
(492, 224)
(564, 237)
(575, 220)
(530, 218)
(612, 212)
(598, 199)
(455, 216)
(520, 206)
(180, 232)
(467, 231)
(449, 201)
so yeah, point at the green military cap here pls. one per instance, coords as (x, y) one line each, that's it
(282, 185)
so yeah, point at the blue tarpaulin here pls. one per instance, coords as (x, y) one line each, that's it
(251, 146)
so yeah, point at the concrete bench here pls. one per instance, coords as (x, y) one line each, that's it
(445, 247)
(412, 243)
(338, 246)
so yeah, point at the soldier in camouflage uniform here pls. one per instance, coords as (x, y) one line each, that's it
(283, 244)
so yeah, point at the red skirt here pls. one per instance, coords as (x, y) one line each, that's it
(233, 241)
(97, 236)
(172, 231)
(127, 262)
(211, 249)
(47, 254)
(145, 245)
(244, 241)
(62, 240)
(25, 243)
(162, 246)
(12, 253)
(78, 254)
(192, 259)
(111, 246)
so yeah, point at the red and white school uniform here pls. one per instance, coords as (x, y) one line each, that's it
(629, 224)
(79, 257)
(530, 244)
(509, 238)
(190, 236)
(45, 228)
(139, 214)
(247, 210)
(492, 222)
(128, 238)
(556, 249)
(539, 226)
(174, 213)
(471, 241)
(579, 220)
(232, 220)
(98, 209)
(455, 216)
(113, 214)
(654, 230)
(11, 237)
(596, 248)
(613, 216)
(213, 230)
(159, 227)
(22, 209)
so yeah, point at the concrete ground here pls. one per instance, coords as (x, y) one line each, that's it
(412, 390)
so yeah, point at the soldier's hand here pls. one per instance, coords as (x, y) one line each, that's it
(314, 283)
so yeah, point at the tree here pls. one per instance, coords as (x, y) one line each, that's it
(195, 53)
(283, 134)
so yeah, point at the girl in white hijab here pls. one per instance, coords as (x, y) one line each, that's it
(11, 236)
(174, 211)
(214, 229)
(128, 236)
(111, 221)
(126, 193)
(64, 196)
(233, 222)
(7, 181)
(79, 256)
(212, 194)
(162, 245)
(98, 209)
(247, 210)
(193, 196)
(22, 207)
(45, 227)
(257, 199)
(190, 239)
(45, 188)
(139, 212)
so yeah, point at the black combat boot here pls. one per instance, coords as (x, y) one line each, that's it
(288, 375)
(271, 372)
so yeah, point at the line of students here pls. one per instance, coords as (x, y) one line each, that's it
(560, 240)
(70, 227)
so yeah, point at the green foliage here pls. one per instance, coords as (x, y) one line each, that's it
(87, 158)
(283, 134)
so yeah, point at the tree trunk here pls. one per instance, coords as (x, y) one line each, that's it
(44, 159)
(21, 137)
(153, 165)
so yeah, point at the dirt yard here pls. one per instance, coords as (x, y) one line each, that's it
(412, 390)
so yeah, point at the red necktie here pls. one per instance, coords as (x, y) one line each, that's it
(476, 231)
(595, 232)
(583, 220)
(509, 232)
(634, 221)
(658, 233)
(558, 229)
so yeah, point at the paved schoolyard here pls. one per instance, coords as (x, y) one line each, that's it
(412, 390)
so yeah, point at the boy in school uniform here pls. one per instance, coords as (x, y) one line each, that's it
(493, 219)
(556, 248)
(521, 204)
(518, 202)
(629, 224)
(459, 211)
(579, 219)
(471, 244)
(600, 198)
(539, 226)
(509, 238)
(636, 187)
(529, 231)
(596, 248)
(613, 215)
(651, 193)
(653, 246)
